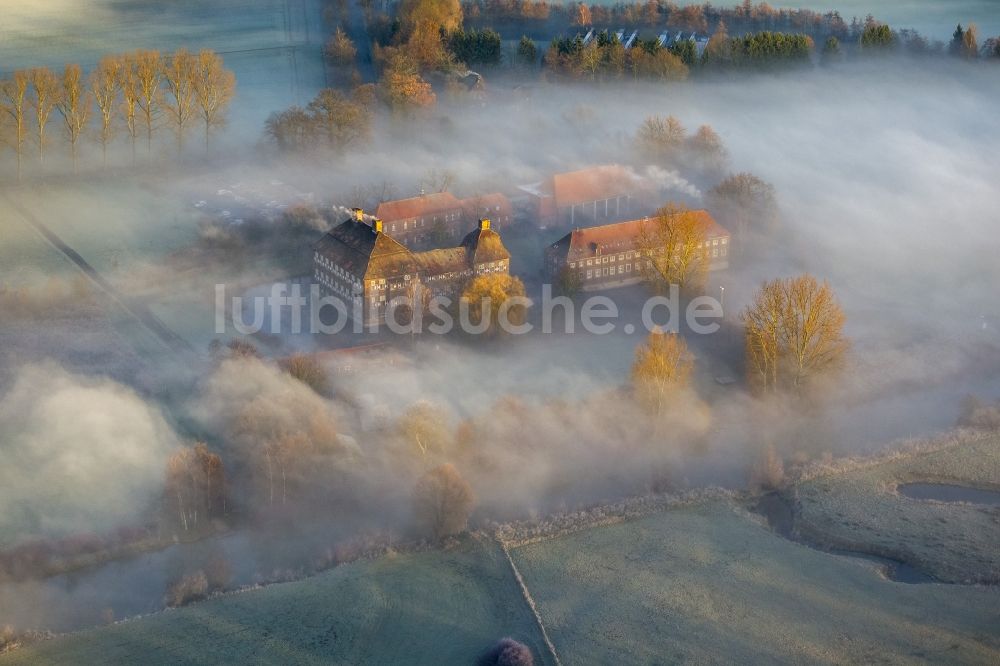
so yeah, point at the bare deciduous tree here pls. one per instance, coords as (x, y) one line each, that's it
(149, 98)
(745, 204)
(291, 130)
(45, 88)
(179, 73)
(662, 367)
(660, 138)
(13, 97)
(214, 88)
(341, 120)
(129, 83)
(443, 501)
(195, 486)
(674, 250)
(425, 426)
(438, 180)
(794, 332)
(707, 148)
(105, 84)
(74, 107)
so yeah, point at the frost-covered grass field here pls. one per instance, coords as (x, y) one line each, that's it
(862, 510)
(702, 583)
(708, 584)
(431, 608)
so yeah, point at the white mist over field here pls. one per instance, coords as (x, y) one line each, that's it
(83, 454)
(886, 174)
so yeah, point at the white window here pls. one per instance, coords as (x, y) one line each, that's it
(725, 240)
(590, 274)
(628, 268)
(621, 257)
(621, 269)
(723, 252)
(715, 252)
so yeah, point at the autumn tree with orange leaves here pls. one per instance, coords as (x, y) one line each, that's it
(662, 369)
(403, 87)
(195, 490)
(674, 249)
(794, 334)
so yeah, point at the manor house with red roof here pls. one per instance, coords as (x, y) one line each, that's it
(366, 267)
(610, 255)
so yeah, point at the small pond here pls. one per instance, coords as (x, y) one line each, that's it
(944, 492)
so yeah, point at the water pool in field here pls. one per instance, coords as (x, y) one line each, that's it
(946, 492)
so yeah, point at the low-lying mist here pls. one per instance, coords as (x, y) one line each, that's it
(886, 173)
(83, 454)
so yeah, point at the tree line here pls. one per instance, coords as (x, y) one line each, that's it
(876, 37)
(607, 57)
(538, 17)
(138, 92)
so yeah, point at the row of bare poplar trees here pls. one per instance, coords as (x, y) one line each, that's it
(138, 90)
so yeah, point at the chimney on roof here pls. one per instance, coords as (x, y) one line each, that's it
(377, 225)
(484, 224)
(359, 214)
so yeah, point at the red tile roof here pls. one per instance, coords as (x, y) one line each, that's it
(619, 236)
(593, 184)
(436, 203)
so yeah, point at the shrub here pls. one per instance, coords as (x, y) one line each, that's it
(218, 573)
(443, 501)
(9, 639)
(239, 348)
(977, 414)
(508, 652)
(308, 370)
(189, 588)
(769, 472)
